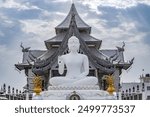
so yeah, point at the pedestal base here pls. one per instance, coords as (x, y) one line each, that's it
(76, 93)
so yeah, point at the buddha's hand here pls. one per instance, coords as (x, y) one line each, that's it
(60, 60)
(60, 65)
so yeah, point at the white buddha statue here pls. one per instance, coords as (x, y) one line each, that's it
(77, 67)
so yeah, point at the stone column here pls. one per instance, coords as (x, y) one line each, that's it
(116, 79)
(30, 80)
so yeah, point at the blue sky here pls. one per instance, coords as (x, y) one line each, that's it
(113, 21)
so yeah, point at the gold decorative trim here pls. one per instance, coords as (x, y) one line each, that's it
(37, 81)
(110, 82)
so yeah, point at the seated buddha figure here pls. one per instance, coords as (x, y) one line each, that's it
(77, 66)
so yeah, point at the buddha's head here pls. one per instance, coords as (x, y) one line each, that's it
(73, 44)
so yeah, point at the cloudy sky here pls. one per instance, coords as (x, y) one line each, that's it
(112, 21)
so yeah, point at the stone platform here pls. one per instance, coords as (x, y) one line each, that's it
(75, 93)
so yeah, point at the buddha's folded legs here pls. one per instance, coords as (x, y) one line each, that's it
(63, 81)
(55, 81)
(86, 81)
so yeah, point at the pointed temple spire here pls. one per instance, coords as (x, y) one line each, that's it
(80, 23)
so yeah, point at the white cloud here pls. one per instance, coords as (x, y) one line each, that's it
(144, 1)
(17, 5)
(38, 30)
(62, 0)
(48, 14)
(5, 20)
(94, 4)
(126, 30)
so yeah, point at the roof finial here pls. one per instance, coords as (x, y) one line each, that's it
(24, 49)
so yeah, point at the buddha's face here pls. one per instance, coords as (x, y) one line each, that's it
(73, 44)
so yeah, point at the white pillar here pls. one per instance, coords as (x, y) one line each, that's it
(27, 96)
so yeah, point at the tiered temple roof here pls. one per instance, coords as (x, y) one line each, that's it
(79, 22)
